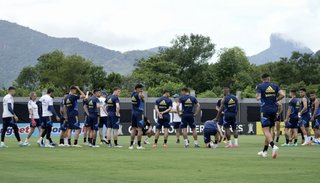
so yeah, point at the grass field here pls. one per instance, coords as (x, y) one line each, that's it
(175, 164)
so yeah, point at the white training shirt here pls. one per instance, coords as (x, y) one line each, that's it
(46, 101)
(8, 99)
(101, 103)
(32, 105)
(176, 117)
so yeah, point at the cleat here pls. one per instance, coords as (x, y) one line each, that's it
(154, 146)
(225, 141)
(275, 150)
(236, 145)
(118, 146)
(77, 145)
(131, 147)
(186, 146)
(215, 146)
(53, 144)
(2, 145)
(90, 145)
(86, 143)
(165, 146)
(140, 147)
(146, 142)
(61, 145)
(196, 146)
(178, 141)
(95, 146)
(228, 146)
(285, 145)
(48, 146)
(305, 143)
(109, 145)
(295, 145)
(263, 154)
(67, 145)
(24, 144)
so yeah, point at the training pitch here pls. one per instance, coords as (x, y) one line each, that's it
(175, 164)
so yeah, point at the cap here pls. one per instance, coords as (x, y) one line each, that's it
(104, 93)
(176, 95)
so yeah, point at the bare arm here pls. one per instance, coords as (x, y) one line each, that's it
(220, 110)
(304, 101)
(85, 108)
(258, 96)
(316, 107)
(288, 114)
(117, 109)
(281, 95)
(82, 95)
(197, 109)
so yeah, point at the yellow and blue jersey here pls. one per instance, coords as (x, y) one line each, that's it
(188, 102)
(111, 102)
(93, 106)
(230, 104)
(71, 102)
(163, 103)
(137, 102)
(268, 99)
(294, 105)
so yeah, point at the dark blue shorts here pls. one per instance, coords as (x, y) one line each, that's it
(292, 123)
(176, 125)
(187, 119)
(316, 123)
(268, 119)
(305, 120)
(9, 122)
(63, 124)
(46, 122)
(230, 120)
(220, 120)
(93, 123)
(38, 123)
(103, 121)
(86, 121)
(165, 122)
(207, 132)
(73, 122)
(137, 119)
(113, 122)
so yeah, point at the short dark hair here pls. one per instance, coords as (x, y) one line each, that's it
(293, 91)
(265, 75)
(11, 88)
(116, 88)
(312, 92)
(73, 87)
(50, 90)
(185, 89)
(165, 91)
(96, 90)
(303, 89)
(138, 86)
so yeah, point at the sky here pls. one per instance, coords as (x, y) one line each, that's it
(142, 24)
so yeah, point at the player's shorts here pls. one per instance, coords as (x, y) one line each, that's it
(93, 122)
(165, 122)
(137, 119)
(278, 119)
(268, 119)
(187, 119)
(207, 132)
(46, 122)
(176, 125)
(86, 121)
(63, 124)
(103, 121)
(305, 121)
(292, 123)
(230, 120)
(220, 120)
(38, 123)
(9, 122)
(73, 122)
(144, 131)
(316, 123)
(113, 122)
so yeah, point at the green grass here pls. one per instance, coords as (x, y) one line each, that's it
(175, 164)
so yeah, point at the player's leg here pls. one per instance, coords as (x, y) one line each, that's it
(94, 129)
(176, 127)
(277, 131)
(166, 126)
(267, 122)
(109, 128)
(76, 127)
(5, 126)
(226, 126)
(140, 132)
(192, 125)
(235, 133)
(156, 136)
(183, 126)
(29, 134)
(287, 135)
(115, 126)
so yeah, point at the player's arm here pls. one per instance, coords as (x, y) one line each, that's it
(10, 109)
(82, 95)
(197, 109)
(304, 109)
(279, 108)
(220, 110)
(316, 107)
(118, 109)
(157, 110)
(30, 111)
(258, 93)
(281, 95)
(141, 95)
(85, 108)
(168, 110)
(288, 115)
(51, 109)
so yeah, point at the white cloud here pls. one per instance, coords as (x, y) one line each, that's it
(140, 24)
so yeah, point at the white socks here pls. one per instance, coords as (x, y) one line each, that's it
(196, 142)
(236, 141)
(186, 141)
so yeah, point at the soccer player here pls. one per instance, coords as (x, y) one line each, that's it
(176, 120)
(63, 124)
(220, 120)
(163, 107)
(276, 131)
(229, 105)
(93, 106)
(9, 118)
(188, 103)
(147, 130)
(103, 118)
(71, 106)
(268, 94)
(305, 116)
(33, 116)
(212, 128)
(315, 116)
(113, 109)
(292, 120)
(87, 129)
(46, 122)
(137, 114)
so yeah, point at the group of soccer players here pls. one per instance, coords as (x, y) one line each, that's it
(103, 110)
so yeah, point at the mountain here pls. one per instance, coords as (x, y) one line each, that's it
(21, 46)
(279, 47)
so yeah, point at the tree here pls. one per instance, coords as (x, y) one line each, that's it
(28, 78)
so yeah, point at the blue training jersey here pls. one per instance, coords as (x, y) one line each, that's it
(137, 102)
(210, 125)
(313, 108)
(294, 105)
(93, 106)
(111, 102)
(230, 104)
(71, 102)
(188, 102)
(307, 112)
(269, 94)
(164, 103)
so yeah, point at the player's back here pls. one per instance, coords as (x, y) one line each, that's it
(268, 99)
(137, 102)
(163, 103)
(71, 102)
(230, 104)
(188, 102)
(294, 105)
(306, 112)
(92, 106)
(210, 125)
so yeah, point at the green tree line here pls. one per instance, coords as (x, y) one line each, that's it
(186, 63)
